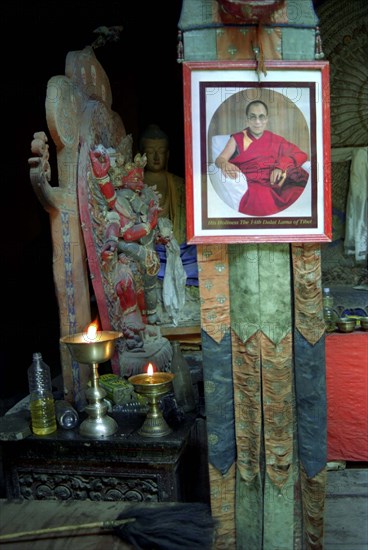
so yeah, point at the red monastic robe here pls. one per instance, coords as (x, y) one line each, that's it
(256, 158)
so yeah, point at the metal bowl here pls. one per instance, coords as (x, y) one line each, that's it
(346, 324)
(364, 323)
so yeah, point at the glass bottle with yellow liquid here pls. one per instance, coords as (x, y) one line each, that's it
(329, 314)
(41, 404)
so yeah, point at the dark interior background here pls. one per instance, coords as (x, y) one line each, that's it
(146, 86)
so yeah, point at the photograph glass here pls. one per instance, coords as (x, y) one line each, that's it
(257, 152)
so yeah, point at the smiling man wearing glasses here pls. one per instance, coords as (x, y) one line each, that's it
(271, 164)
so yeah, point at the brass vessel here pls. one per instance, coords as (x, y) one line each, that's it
(92, 351)
(153, 387)
(346, 324)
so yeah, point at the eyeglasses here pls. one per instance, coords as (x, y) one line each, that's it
(261, 118)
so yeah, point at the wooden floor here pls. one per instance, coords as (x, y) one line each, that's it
(346, 515)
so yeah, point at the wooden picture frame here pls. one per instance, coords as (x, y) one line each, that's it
(216, 94)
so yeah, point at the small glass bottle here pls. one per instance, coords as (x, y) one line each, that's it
(182, 381)
(329, 313)
(41, 404)
(66, 415)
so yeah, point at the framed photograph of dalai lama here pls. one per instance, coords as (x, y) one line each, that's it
(257, 152)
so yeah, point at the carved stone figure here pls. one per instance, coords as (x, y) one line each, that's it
(124, 220)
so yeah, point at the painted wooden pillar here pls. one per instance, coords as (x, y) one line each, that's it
(262, 335)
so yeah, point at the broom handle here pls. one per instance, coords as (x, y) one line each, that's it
(100, 524)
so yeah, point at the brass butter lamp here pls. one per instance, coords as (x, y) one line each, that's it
(93, 347)
(153, 385)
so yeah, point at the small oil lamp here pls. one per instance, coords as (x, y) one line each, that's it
(93, 347)
(153, 385)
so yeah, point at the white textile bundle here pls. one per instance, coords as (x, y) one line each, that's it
(173, 290)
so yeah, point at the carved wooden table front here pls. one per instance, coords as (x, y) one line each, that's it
(122, 467)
